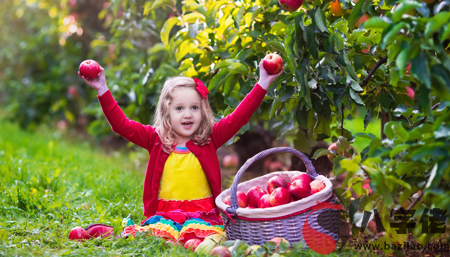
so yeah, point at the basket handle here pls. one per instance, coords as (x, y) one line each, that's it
(310, 170)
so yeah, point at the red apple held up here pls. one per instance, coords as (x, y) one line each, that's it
(300, 189)
(317, 186)
(89, 69)
(227, 200)
(279, 196)
(192, 244)
(220, 251)
(241, 199)
(290, 5)
(264, 202)
(273, 63)
(303, 176)
(253, 195)
(276, 182)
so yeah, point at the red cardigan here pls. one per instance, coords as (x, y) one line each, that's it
(145, 136)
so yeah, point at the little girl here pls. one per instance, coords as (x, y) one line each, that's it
(183, 174)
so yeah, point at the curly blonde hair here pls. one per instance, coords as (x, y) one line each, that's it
(162, 119)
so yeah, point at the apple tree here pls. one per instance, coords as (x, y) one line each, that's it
(340, 60)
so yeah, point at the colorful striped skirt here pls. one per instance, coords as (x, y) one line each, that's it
(181, 220)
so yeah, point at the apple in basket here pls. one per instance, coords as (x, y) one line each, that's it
(241, 199)
(303, 176)
(227, 200)
(276, 182)
(264, 202)
(253, 195)
(300, 188)
(317, 186)
(192, 244)
(280, 196)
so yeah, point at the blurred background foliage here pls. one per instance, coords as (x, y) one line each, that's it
(346, 67)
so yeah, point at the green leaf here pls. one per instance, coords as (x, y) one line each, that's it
(218, 79)
(398, 149)
(355, 86)
(339, 41)
(225, 63)
(156, 4)
(239, 67)
(351, 165)
(312, 41)
(275, 106)
(377, 23)
(420, 69)
(403, 8)
(278, 45)
(357, 12)
(321, 22)
(432, 175)
(321, 152)
(289, 42)
(238, 17)
(355, 96)
(397, 181)
(391, 34)
(286, 93)
(349, 67)
(436, 23)
(211, 13)
(167, 27)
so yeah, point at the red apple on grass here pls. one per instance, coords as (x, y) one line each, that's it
(264, 201)
(220, 251)
(290, 5)
(89, 69)
(317, 186)
(253, 195)
(241, 199)
(276, 182)
(279, 196)
(302, 176)
(78, 233)
(273, 63)
(300, 188)
(277, 240)
(192, 244)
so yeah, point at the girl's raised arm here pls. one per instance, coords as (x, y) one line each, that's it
(227, 127)
(135, 132)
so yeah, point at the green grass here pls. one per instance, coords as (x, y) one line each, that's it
(48, 186)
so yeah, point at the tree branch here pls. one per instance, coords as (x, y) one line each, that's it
(369, 76)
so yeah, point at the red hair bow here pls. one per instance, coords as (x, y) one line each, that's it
(201, 88)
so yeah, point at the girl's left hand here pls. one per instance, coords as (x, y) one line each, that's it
(265, 79)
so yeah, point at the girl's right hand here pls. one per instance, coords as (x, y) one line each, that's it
(98, 83)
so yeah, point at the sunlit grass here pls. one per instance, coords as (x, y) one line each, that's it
(48, 186)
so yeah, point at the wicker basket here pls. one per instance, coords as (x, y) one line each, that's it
(257, 226)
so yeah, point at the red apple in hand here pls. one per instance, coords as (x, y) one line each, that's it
(192, 244)
(273, 63)
(279, 196)
(290, 5)
(276, 182)
(89, 69)
(317, 186)
(264, 201)
(241, 199)
(227, 200)
(300, 189)
(253, 195)
(220, 251)
(303, 176)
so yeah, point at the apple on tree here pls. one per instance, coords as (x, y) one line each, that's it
(290, 6)
(346, 153)
(273, 63)
(89, 69)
